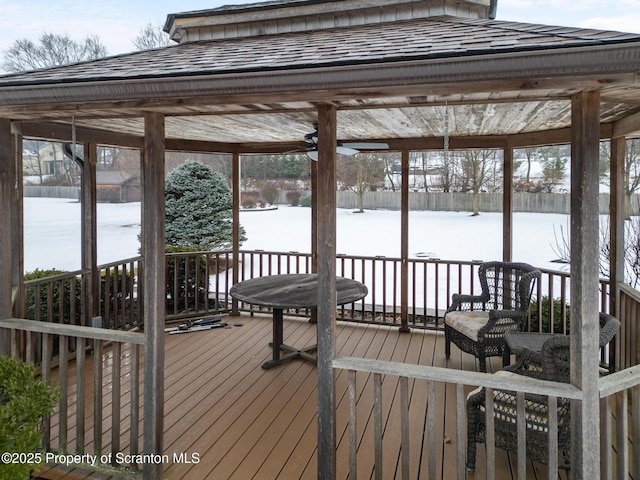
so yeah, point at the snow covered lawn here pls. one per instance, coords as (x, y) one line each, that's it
(52, 233)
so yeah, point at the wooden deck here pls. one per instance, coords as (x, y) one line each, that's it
(233, 420)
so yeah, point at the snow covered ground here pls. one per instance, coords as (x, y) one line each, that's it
(52, 233)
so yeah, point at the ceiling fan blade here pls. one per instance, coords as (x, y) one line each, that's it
(365, 145)
(342, 150)
(313, 154)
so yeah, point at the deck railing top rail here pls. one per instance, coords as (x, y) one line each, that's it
(76, 331)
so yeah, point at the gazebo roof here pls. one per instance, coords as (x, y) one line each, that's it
(394, 81)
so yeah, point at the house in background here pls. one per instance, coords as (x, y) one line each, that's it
(117, 187)
(43, 159)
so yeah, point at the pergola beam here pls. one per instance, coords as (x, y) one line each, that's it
(62, 133)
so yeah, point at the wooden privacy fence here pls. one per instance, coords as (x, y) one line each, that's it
(463, 202)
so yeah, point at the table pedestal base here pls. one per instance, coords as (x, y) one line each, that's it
(305, 353)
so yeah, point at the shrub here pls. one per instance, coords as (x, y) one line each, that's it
(544, 315)
(38, 299)
(198, 208)
(249, 201)
(293, 198)
(305, 201)
(24, 402)
(270, 193)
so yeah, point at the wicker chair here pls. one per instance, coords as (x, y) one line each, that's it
(477, 323)
(555, 354)
(527, 346)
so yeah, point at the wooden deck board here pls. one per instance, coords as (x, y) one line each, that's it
(245, 422)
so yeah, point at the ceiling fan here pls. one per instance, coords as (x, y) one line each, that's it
(344, 148)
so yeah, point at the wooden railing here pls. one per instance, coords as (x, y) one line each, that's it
(628, 344)
(120, 302)
(85, 363)
(198, 284)
(619, 431)
(59, 298)
(430, 284)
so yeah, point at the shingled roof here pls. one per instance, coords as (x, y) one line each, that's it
(389, 80)
(367, 44)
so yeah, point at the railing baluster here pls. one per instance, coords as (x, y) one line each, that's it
(521, 426)
(490, 440)
(606, 439)
(135, 398)
(116, 374)
(63, 383)
(461, 431)
(46, 377)
(97, 397)
(622, 433)
(552, 442)
(431, 425)
(80, 394)
(377, 420)
(404, 427)
(353, 431)
(635, 429)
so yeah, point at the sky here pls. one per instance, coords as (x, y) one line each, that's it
(118, 22)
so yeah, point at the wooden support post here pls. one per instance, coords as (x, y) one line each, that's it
(617, 215)
(313, 318)
(7, 196)
(89, 234)
(585, 415)
(404, 244)
(154, 289)
(17, 230)
(235, 191)
(326, 244)
(507, 206)
(314, 216)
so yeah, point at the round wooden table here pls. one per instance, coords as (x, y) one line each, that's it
(297, 290)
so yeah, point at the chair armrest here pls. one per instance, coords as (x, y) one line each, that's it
(529, 364)
(501, 321)
(466, 302)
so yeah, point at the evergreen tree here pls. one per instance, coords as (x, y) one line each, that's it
(198, 208)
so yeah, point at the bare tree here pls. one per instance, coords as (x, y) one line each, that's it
(554, 167)
(476, 165)
(631, 168)
(361, 173)
(445, 179)
(151, 36)
(51, 50)
(524, 184)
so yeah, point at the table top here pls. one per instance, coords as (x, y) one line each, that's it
(296, 290)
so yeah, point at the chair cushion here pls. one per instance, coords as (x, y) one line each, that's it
(468, 323)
